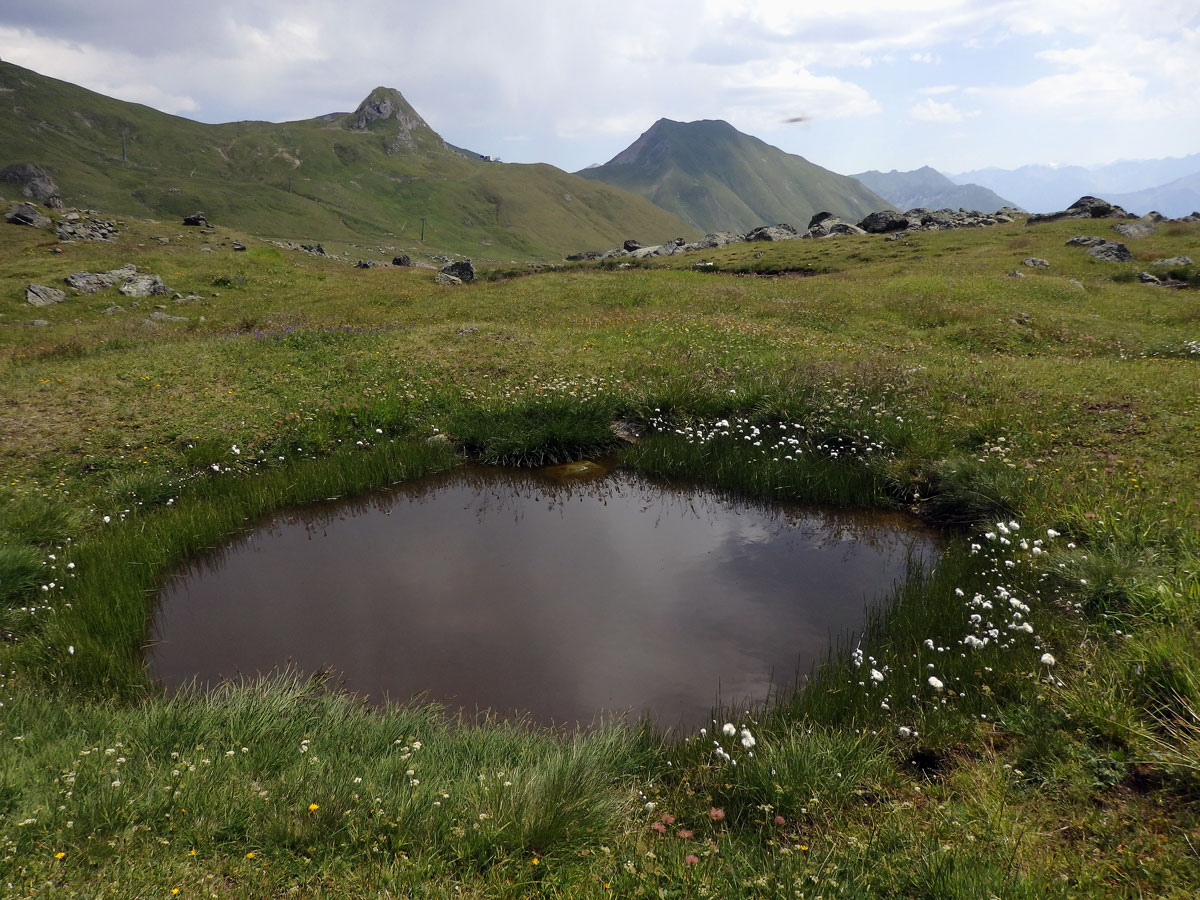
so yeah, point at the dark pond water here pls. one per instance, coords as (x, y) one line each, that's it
(562, 596)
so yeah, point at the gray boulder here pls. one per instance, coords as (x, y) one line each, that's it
(36, 323)
(402, 259)
(1084, 240)
(25, 214)
(34, 182)
(713, 240)
(41, 295)
(826, 224)
(1173, 261)
(91, 282)
(1111, 251)
(584, 255)
(144, 286)
(446, 278)
(631, 245)
(462, 270)
(1135, 229)
(196, 219)
(781, 232)
(884, 221)
(1035, 262)
(1083, 208)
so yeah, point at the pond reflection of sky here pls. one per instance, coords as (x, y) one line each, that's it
(489, 589)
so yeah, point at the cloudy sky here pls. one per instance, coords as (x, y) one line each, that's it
(850, 85)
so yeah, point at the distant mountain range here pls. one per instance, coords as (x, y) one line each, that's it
(1179, 198)
(929, 188)
(379, 173)
(716, 178)
(1160, 184)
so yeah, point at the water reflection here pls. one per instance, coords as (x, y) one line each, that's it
(560, 595)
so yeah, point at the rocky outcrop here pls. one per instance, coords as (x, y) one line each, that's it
(826, 224)
(446, 278)
(821, 225)
(1173, 261)
(462, 270)
(1083, 208)
(196, 220)
(25, 214)
(1035, 262)
(884, 222)
(75, 226)
(779, 232)
(41, 295)
(35, 183)
(1111, 251)
(144, 286)
(1138, 229)
(91, 282)
(402, 259)
(1085, 240)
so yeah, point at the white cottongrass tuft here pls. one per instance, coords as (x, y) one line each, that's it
(1048, 659)
(936, 683)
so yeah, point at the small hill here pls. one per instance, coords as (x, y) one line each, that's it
(374, 174)
(929, 188)
(716, 178)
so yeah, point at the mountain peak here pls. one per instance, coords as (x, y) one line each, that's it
(386, 107)
(718, 179)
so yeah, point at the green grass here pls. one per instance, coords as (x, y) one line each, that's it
(914, 377)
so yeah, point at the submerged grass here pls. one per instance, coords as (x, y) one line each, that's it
(1020, 722)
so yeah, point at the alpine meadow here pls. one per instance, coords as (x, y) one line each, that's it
(204, 326)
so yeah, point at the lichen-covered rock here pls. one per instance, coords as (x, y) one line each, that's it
(91, 282)
(1139, 229)
(463, 270)
(780, 232)
(34, 182)
(1035, 262)
(1085, 240)
(445, 278)
(41, 295)
(144, 286)
(1083, 208)
(25, 214)
(1111, 251)
(884, 221)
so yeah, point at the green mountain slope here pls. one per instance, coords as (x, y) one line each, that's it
(931, 189)
(718, 179)
(369, 174)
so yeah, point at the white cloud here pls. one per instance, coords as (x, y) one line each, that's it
(563, 74)
(930, 110)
